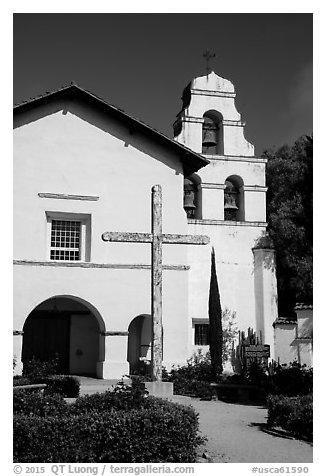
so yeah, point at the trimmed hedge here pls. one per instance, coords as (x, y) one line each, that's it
(121, 398)
(293, 414)
(157, 432)
(38, 404)
(118, 426)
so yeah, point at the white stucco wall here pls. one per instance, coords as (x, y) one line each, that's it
(305, 336)
(235, 271)
(80, 152)
(285, 351)
(65, 154)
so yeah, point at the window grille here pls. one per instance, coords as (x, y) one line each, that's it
(201, 334)
(65, 240)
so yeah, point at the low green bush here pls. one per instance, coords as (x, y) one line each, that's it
(38, 404)
(155, 431)
(194, 378)
(293, 414)
(36, 369)
(194, 388)
(20, 380)
(290, 380)
(65, 385)
(123, 397)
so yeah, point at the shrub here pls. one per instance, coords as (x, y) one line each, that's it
(20, 380)
(35, 369)
(156, 431)
(194, 388)
(256, 374)
(290, 380)
(65, 385)
(194, 378)
(38, 403)
(123, 397)
(293, 414)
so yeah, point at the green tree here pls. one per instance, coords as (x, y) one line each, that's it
(215, 321)
(289, 214)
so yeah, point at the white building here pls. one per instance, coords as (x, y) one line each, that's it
(83, 167)
(294, 337)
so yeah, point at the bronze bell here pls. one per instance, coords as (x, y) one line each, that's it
(189, 198)
(209, 135)
(230, 201)
(230, 197)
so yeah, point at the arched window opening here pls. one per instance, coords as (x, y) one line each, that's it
(192, 197)
(233, 199)
(212, 133)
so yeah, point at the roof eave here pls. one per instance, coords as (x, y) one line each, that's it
(191, 161)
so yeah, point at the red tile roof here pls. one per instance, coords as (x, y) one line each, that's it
(285, 320)
(300, 306)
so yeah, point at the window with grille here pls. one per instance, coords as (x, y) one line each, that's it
(65, 240)
(201, 334)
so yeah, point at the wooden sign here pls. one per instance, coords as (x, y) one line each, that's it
(257, 351)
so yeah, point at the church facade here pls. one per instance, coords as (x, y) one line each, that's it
(83, 167)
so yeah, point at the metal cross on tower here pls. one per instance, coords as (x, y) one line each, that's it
(208, 55)
(156, 238)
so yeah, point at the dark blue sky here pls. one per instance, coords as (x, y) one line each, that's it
(142, 62)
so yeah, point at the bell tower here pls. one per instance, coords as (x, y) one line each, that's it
(227, 201)
(208, 121)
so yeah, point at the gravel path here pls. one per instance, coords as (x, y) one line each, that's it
(235, 435)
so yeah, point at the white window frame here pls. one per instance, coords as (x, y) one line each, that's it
(84, 243)
(200, 321)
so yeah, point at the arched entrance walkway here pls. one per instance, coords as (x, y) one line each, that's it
(140, 344)
(67, 329)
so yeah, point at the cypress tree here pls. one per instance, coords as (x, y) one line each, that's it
(215, 321)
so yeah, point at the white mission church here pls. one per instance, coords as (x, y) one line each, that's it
(82, 168)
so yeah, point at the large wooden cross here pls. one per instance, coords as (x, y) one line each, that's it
(156, 238)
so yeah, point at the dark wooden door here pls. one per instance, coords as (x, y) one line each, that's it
(46, 336)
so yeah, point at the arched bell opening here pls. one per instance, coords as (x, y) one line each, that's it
(192, 197)
(212, 133)
(233, 199)
(140, 345)
(68, 330)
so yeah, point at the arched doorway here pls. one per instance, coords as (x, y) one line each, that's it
(140, 344)
(66, 329)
